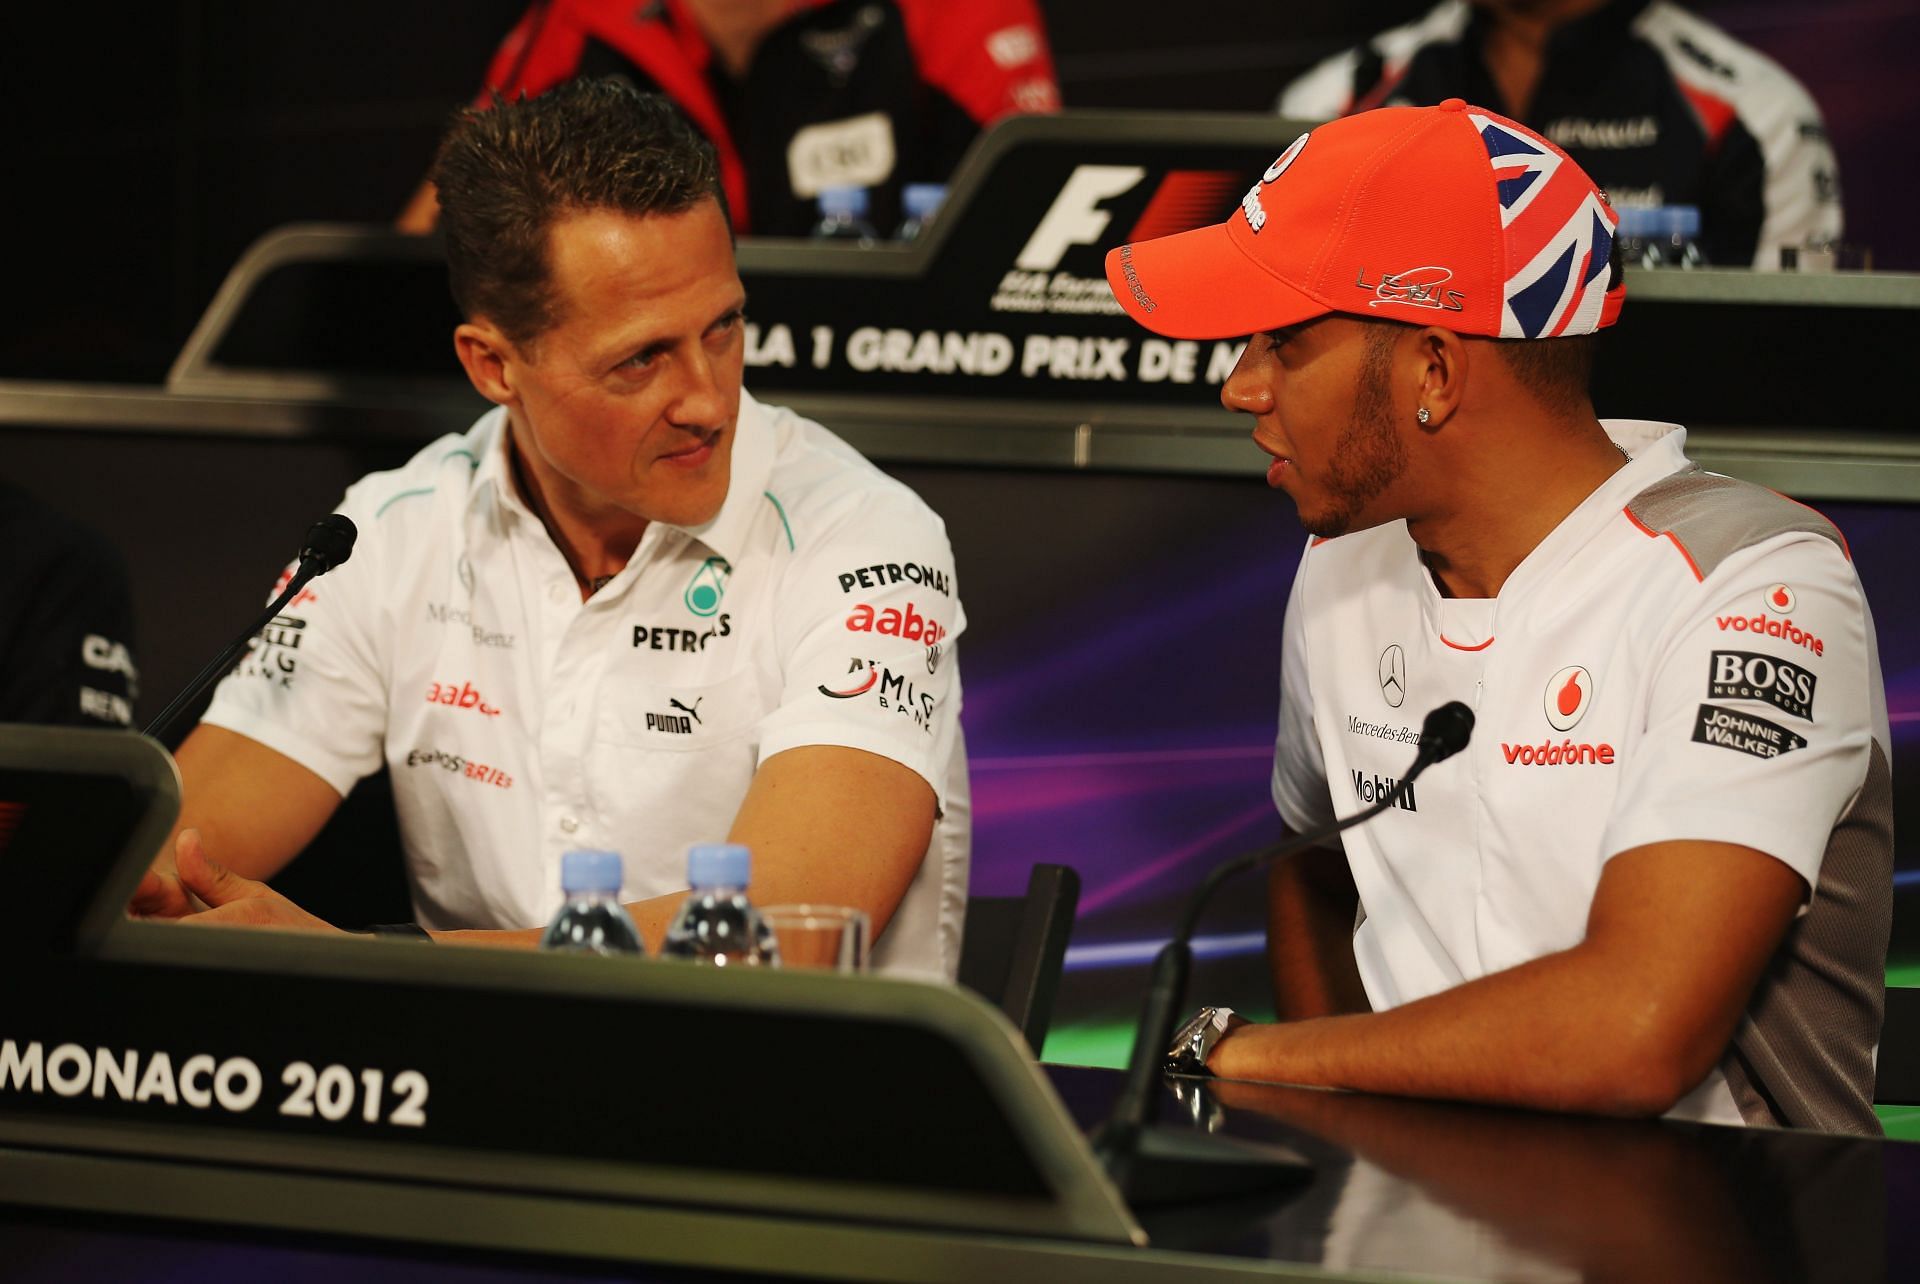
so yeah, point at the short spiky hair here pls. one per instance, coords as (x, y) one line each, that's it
(507, 172)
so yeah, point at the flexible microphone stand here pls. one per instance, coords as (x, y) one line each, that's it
(329, 543)
(1153, 1165)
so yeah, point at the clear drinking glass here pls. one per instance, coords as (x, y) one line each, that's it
(826, 937)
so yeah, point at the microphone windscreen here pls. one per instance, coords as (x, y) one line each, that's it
(329, 541)
(1446, 731)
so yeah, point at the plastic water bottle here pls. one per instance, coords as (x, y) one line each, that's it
(1661, 236)
(843, 216)
(593, 921)
(716, 924)
(921, 202)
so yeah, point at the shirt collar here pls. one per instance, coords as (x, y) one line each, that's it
(750, 468)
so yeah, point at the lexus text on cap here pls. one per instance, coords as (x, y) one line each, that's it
(1448, 215)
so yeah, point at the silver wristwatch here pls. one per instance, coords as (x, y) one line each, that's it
(1196, 1039)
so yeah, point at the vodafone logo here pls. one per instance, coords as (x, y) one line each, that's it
(1780, 600)
(1569, 692)
(1287, 158)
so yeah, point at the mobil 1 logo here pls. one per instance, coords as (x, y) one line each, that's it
(1750, 675)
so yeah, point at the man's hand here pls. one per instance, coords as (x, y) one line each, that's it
(161, 894)
(232, 900)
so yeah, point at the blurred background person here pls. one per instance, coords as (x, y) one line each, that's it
(1662, 107)
(66, 620)
(797, 96)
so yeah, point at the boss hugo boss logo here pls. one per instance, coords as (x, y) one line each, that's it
(1748, 675)
(1393, 676)
(1744, 733)
(1569, 692)
(655, 638)
(681, 722)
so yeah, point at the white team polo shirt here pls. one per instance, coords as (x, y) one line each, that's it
(1683, 657)
(818, 608)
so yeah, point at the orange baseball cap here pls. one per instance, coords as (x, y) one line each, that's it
(1447, 215)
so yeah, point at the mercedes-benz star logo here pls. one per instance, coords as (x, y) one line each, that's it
(1393, 675)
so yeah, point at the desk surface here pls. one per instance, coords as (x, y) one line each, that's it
(1400, 1190)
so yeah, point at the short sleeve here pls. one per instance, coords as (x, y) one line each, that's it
(309, 686)
(1760, 713)
(1300, 792)
(868, 615)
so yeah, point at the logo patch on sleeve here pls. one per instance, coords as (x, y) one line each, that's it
(1749, 675)
(1731, 729)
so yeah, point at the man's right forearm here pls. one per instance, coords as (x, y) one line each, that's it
(1311, 903)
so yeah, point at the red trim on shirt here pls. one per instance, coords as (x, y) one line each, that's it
(1716, 114)
(1458, 646)
(954, 51)
(1388, 82)
(1651, 533)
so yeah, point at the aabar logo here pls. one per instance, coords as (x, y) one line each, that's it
(894, 623)
(461, 697)
(1569, 692)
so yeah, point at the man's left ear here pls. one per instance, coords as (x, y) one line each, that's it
(1441, 374)
(487, 357)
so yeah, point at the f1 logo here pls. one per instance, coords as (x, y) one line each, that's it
(1075, 217)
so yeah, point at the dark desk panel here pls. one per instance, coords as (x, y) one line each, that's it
(1401, 1190)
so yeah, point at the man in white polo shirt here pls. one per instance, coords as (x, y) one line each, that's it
(631, 608)
(1658, 880)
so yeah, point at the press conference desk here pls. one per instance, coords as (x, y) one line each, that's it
(1406, 1190)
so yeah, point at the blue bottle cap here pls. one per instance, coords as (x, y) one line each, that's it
(843, 202)
(717, 865)
(588, 869)
(921, 200)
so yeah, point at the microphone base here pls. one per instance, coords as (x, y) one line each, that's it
(1159, 1167)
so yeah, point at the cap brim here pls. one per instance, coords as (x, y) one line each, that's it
(1200, 285)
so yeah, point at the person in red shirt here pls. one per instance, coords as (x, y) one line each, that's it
(796, 95)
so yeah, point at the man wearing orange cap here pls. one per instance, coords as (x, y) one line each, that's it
(1659, 878)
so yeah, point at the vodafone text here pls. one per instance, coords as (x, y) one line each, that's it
(202, 1082)
(1786, 630)
(1562, 753)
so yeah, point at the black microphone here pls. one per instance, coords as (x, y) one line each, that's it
(329, 543)
(1152, 1166)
